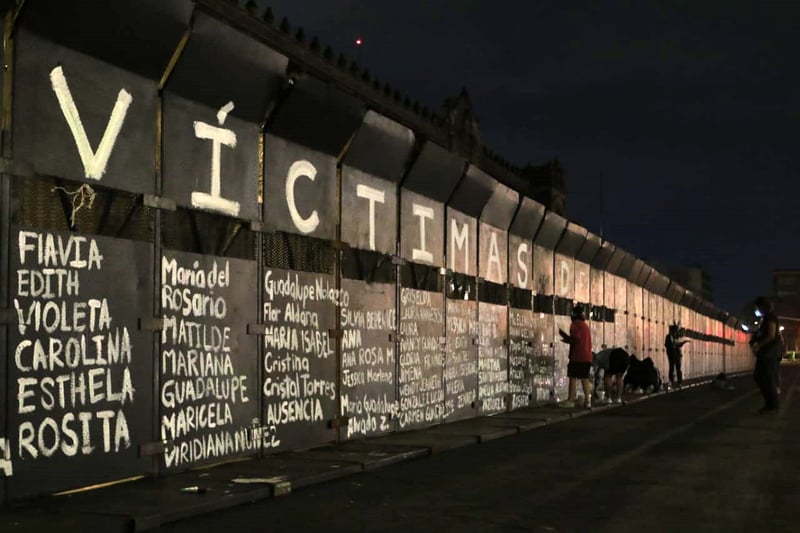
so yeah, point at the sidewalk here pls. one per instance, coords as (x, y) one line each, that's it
(147, 504)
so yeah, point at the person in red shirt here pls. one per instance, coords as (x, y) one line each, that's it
(580, 357)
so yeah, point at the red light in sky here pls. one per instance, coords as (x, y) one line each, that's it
(359, 41)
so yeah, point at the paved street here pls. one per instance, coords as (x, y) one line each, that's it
(697, 460)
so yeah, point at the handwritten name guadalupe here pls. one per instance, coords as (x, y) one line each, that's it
(201, 384)
(72, 363)
(299, 383)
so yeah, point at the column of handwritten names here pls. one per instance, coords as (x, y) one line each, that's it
(299, 357)
(520, 357)
(421, 327)
(461, 368)
(492, 357)
(74, 385)
(201, 382)
(368, 357)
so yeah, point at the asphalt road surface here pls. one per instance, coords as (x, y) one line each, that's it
(701, 459)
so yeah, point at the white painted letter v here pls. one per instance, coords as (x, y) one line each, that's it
(94, 163)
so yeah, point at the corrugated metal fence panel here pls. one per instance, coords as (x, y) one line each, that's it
(62, 99)
(304, 138)
(461, 242)
(492, 253)
(369, 183)
(211, 127)
(421, 229)
(493, 368)
(369, 357)
(300, 394)
(84, 369)
(461, 370)
(422, 375)
(209, 364)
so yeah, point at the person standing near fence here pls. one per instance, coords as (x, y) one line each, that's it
(767, 346)
(580, 357)
(674, 345)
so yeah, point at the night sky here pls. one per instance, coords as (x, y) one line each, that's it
(676, 122)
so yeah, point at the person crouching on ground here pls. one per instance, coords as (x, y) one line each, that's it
(614, 363)
(766, 345)
(580, 357)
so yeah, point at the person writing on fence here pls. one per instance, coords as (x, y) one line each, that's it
(580, 357)
(614, 363)
(674, 345)
(767, 346)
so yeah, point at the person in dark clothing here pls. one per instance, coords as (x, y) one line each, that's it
(673, 345)
(767, 347)
(579, 339)
(614, 363)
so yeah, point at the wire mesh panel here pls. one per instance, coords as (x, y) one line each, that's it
(83, 368)
(54, 203)
(368, 348)
(205, 233)
(209, 365)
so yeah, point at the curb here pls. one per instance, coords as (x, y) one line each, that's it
(147, 504)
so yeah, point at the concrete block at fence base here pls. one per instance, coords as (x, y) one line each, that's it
(531, 413)
(369, 454)
(556, 414)
(287, 471)
(147, 504)
(481, 428)
(34, 518)
(434, 441)
(522, 423)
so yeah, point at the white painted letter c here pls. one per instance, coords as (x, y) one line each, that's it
(300, 169)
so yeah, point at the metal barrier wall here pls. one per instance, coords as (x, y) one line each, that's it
(194, 270)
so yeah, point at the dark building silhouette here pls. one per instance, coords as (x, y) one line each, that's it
(463, 134)
(695, 278)
(547, 185)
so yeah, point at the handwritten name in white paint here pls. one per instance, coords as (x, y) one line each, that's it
(6, 466)
(49, 436)
(57, 251)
